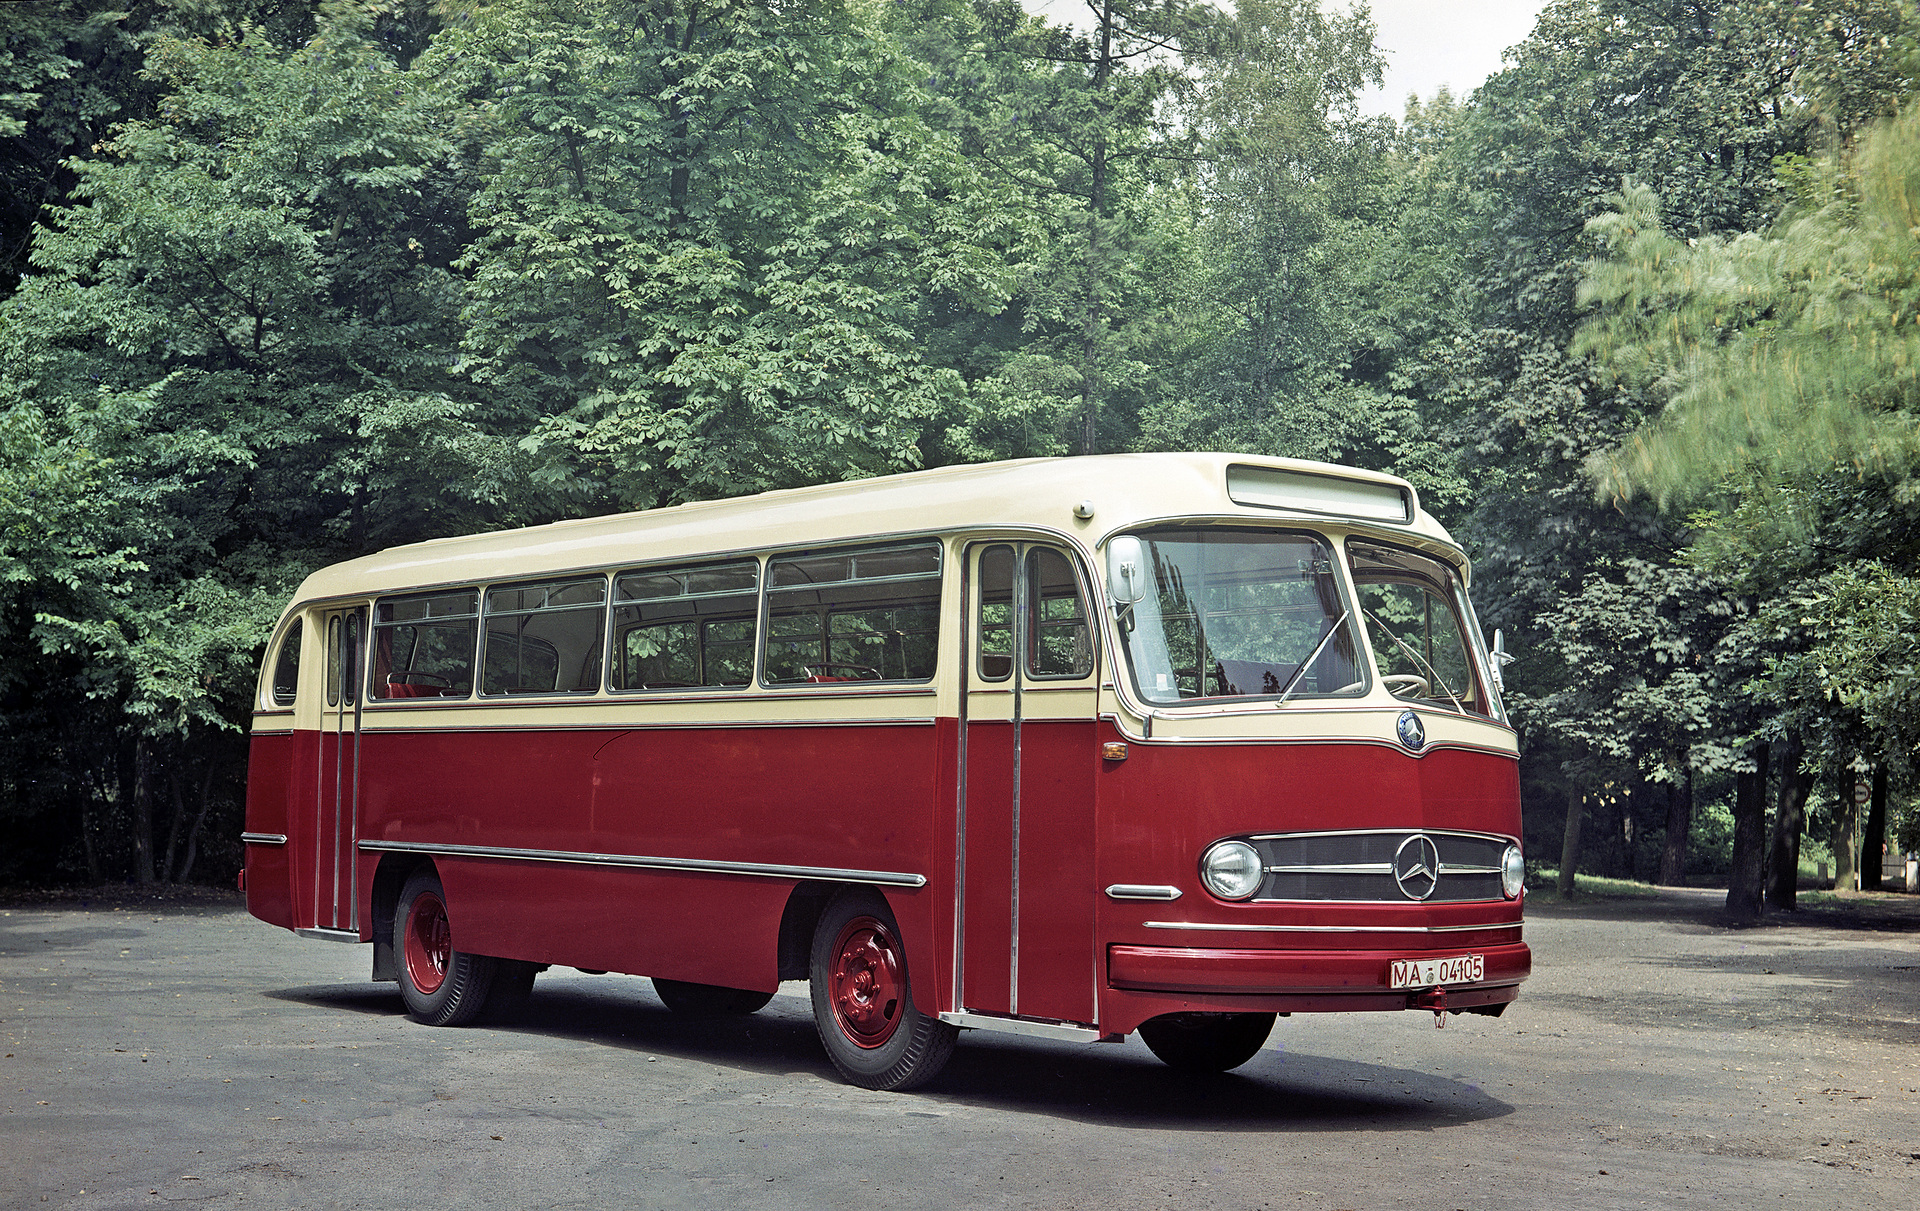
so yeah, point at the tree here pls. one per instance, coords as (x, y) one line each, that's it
(231, 356)
(704, 238)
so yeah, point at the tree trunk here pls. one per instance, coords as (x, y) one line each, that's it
(1673, 858)
(142, 808)
(1570, 842)
(1789, 821)
(176, 826)
(1873, 844)
(1846, 840)
(1744, 901)
(199, 820)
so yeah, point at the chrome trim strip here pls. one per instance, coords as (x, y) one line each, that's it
(263, 838)
(770, 870)
(1328, 928)
(329, 935)
(644, 726)
(1041, 1030)
(1381, 832)
(1376, 868)
(1142, 891)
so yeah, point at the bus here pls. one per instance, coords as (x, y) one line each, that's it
(1070, 748)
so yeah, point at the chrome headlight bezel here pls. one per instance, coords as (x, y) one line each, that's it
(1231, 870)
(1513, 872)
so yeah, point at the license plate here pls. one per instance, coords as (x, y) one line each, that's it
(1431, 973)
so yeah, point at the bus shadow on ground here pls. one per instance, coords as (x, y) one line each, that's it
(1119, 1085)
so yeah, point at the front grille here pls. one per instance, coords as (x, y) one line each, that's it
(1360, 866)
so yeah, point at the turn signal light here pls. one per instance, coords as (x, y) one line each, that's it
(1113, 750)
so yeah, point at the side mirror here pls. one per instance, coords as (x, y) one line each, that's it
(1500, 659)
(1126, 569)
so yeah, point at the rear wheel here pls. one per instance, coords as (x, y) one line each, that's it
(863, 1003)
(440, 985)
(708, 1000)
(1206, 1042)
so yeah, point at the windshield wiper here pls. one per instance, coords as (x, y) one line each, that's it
(1301, 668)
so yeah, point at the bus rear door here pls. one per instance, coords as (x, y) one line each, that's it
(331, 902)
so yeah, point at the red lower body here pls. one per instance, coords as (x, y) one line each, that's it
(884, 798)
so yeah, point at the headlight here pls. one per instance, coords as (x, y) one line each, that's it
(1231, 870)
(1513, 871)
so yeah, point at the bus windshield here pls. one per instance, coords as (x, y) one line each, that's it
(1239, 614)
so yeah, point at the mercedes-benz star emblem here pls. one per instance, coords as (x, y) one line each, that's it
(1411, 734)
(1416, 866)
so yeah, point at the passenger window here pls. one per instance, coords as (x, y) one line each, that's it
(545, 638)
(869, 615)
(423, 646)
(996, 613)
(286, 669)
(686, 627)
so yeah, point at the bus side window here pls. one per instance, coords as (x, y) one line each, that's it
(996, 613)
(286, 670)
(545, 638)
(1060, 644)
(870, 615)
(423, 646)
(685, 627)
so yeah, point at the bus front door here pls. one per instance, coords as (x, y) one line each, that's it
(1025, 839)
(331, 902)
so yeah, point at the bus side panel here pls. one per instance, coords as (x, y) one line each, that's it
(709, 929)
(277, 763)
(846, 797)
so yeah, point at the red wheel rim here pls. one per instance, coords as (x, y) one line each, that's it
(866, 982)
(429, 943)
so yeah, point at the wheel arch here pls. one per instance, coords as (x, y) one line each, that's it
(805, 903)
(388, 878)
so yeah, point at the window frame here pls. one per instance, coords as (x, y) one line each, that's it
(851, 550)
(759, 564)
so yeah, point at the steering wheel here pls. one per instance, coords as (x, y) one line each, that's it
(1407, 685)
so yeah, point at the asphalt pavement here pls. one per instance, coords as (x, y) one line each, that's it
(162, 1054)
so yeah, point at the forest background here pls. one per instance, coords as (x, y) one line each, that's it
(285, 282)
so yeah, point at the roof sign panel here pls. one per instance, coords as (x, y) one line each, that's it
(1306, 492)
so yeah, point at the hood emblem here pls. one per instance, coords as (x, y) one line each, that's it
(1416, 867)
(1411, 733)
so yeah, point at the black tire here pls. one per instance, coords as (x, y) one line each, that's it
(512, 993)
(863, 1003)
(440, 985)
(708, 1000)
(1206, 1042)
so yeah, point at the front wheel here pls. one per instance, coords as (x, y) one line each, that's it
(1206, 1042)
(863, 1004)
(708, 1000)
(440, 985)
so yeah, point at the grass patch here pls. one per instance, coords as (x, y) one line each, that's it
(1542, 888)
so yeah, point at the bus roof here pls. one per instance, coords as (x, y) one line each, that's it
(1123, 490)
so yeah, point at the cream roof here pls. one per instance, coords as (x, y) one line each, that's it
(1124, 489)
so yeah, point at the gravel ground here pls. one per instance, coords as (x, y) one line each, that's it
(166, 1051)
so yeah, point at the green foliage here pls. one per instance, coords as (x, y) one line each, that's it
(1782, 355)
(703, 240)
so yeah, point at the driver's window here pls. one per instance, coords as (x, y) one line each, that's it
(1413, 627)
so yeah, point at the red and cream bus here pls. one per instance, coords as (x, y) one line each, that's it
(1069, 748)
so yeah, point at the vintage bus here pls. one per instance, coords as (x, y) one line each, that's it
(1173, 743)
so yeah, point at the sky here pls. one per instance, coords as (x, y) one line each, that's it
(1427, 43)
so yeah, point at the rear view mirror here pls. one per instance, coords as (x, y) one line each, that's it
(1126, 569)
(1500, 660)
